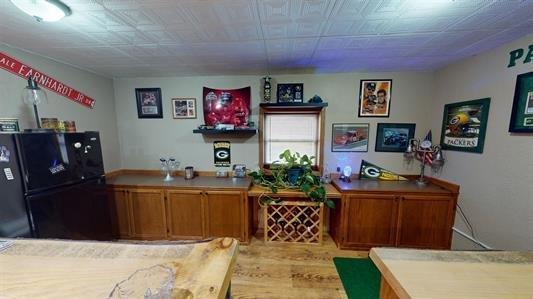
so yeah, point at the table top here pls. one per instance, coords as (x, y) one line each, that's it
(77, 269)
(199, 182)
(456, 274)
(256, 190)
(367, 185)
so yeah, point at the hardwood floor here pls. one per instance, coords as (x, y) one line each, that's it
(283, 270)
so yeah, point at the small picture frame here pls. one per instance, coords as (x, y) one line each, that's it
(149, 104)
(350, 137)
(184, 108)
(290, 93)
(394, 137)
(522, 112)
(9, 125)
(375, 97)
(464, 125)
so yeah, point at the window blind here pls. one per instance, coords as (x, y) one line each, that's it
(297, 132)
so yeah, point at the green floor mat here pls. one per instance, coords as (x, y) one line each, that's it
(359, 276)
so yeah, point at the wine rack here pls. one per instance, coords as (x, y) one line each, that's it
(294, 222)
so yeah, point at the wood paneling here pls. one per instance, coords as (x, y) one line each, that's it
(425, 221)
(185, 214)
(225, 214)
(148, 216)
(370, 220)
(120, 212)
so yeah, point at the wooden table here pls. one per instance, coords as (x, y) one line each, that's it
(408, 273)
(66, 269)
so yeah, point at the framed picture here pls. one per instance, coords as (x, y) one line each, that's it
(394, 137)
(522, 113)
(149, 103)
(464, 125)
(184, 107)
(375, 98)
(290, 93)
(9, 125)
(349, 137)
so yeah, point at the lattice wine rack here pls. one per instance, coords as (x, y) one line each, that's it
(294, 221)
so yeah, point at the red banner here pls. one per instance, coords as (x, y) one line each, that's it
(18, 68)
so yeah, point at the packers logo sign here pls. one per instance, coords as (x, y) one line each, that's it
(222, 153)
(371, 171)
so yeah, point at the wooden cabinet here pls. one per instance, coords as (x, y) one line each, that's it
(179, 214)
(425, 221)
(394, 214)
(120, 217)
(370, 220)
(148, 216)
(185, 214)
(225, 214)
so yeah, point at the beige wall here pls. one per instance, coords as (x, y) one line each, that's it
(143, 141)
(102, 118)
(496, 186)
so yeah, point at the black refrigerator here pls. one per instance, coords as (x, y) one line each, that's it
(52, 185)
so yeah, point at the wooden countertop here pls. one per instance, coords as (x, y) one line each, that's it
(67, 269)
(258, 190)
(366, 185)
(456, 274)
(199, 182)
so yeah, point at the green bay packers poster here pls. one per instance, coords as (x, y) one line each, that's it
(222, 153)
(464, 125)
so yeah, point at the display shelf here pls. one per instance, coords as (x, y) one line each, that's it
(236, 132)
(293, 105)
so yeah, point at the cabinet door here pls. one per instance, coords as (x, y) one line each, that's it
(225, 214)
(370, 220)
(426, 221)
(120, 212)
(148, 214)
(185, 210)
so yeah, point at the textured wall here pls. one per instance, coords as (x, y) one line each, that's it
(143, 141)
(102, 118)
(496, 186)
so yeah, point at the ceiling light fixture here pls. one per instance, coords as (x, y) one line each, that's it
(43, 10)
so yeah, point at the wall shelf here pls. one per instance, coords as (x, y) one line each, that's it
(235, 132)
(293, 105)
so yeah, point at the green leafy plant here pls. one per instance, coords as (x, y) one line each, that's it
(281, 177)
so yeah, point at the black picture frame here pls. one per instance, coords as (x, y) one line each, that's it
(369, 90)
(350, 137)
(522, 111)
(290, 93)
(9, 125)
(149, 103)
(394, 137)
(464, 125)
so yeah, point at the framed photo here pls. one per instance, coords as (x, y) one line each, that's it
(9, 125)
(184, 107)
(149, 103)
(394, 137)
(375, 98)
(464, 125)
(290, 93)
(349, 137)
(522, 113)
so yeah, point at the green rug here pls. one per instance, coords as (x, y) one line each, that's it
(359, 276)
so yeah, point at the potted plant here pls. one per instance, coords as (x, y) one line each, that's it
(293, 171)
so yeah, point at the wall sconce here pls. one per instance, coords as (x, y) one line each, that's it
(34, 95)
(426, 153)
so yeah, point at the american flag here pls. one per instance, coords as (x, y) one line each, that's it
(428, 156)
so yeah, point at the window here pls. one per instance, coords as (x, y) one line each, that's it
(299, 131)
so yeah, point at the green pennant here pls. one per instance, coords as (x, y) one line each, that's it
(371, 171)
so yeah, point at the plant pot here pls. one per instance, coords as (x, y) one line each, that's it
(293, 174)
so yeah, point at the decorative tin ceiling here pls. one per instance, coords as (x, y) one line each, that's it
(123, 38)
